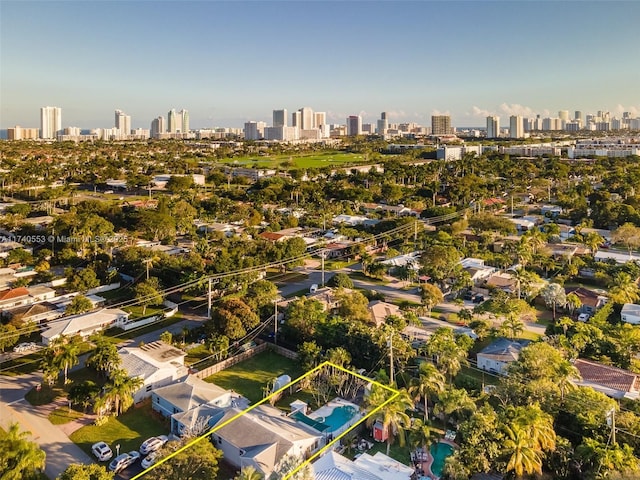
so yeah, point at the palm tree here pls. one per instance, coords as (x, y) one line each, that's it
(573, 303)
(392, 415)
(21, 458)
(68, 357)
(513, 326)
(248, 473)
(120, 389)
(422, 435)
(523, 457)
(429, 382)
(104, 358)
(624, 289)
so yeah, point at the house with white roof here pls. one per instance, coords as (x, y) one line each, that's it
(263, 437)
(84, 324)
(618, 257)
(630, 313)
(476, 268)
(157, 364)
(333, 466)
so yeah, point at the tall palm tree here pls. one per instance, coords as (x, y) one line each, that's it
(120, 389)
(624, 289)
(105, 358)
(68, 357)
(513, 326)
(523, 457)
(21, 458)
(429, 382)
(392, 416)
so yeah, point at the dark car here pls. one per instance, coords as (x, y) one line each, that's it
(478, 299)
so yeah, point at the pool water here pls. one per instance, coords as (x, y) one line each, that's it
(340, 416)
(440, 451)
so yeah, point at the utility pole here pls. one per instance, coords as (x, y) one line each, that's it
(611, 421)
(275, 321)
(322, 255)
(415, 232)
(209, 300)
(390, 345)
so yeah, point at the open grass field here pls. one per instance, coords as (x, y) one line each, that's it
(249, 377)
(307, 160)
(128, 430)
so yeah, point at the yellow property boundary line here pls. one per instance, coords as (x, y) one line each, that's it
(394, 395)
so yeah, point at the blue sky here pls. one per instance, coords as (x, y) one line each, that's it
(229, 62)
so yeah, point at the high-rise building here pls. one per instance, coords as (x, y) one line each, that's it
(123, 122)
(440, 125)
(172, 121)
(280, 118)
(183, 121)
(354, 125)
(516, 126)
(383, 124)
(20, 133)
(157, 126)
(319, 119)
(50, 122)
(254, 130)
(307, 118)
(296, 119)
(577, 115)
(493, 126)
(563, 115)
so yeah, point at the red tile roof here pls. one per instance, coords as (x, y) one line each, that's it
(608, 376)
(13, 293)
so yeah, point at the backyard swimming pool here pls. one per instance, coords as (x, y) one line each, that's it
(339, 417)
(440, 451)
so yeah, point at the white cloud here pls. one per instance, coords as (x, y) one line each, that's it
(438, 112)
(517, 109)
(620, 109)
(479, 112)
(396, 114)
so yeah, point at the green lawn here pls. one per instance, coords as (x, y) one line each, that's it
(119, 334)
(21, 365)
(249, 377)
(364, 278)
(196, 354)
(309, 160)
(44, 395)
(64, 415)
(128, 430)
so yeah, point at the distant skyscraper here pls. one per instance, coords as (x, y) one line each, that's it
(280, 118)
(493, 127)
(157, 126)
(577, 115)
(383, 124)
(254, 130)
(516, 126)
(354, 125)
(172, 121)
(50, 121)
(319, 119)
(296, 119)
(123, 122)
(183, 121)
(563, 115)
(440, 125)
(307, 118)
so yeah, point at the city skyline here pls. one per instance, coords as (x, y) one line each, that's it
(229, 67)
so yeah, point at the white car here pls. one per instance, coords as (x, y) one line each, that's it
(150, 459)
(123, 461)
(583, 317)
(102, 451)
(152, 444)
(23, 347)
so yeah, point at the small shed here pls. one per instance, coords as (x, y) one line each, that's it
(380, 434)
(281, 381)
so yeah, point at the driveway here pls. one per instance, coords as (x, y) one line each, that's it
(61, 451)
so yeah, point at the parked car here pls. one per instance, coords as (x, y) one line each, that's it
(478, 299)
(123, 461)
(102, 451)
(152, 444)
(23, 347)
(150, 459)
(583, 317)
